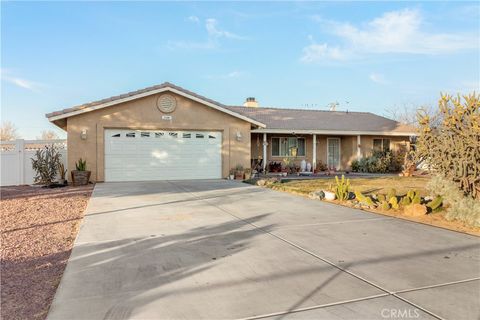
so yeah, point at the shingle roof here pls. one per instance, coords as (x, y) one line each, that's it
(276, 118)
(302, 119)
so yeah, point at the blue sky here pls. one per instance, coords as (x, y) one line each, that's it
(368, 56)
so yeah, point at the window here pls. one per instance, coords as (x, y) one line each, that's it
(173, 134)
(145, 134)
(116, 135)
(211, 137)
(287, 147)
(187, 135)
(159, 134)
(381, 145)
(199, 136)
(130, 135)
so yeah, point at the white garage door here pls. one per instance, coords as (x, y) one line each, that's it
(139, 155)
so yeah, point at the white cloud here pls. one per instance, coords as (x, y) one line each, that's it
(214, 31)
(193, 19)
(393, 32)
(316, 52)
(20, 82)
(231, 75)
(214, 34)
(377, 78)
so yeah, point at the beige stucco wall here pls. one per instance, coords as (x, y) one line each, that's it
(144, 114)
(397, 144)
(348, 147)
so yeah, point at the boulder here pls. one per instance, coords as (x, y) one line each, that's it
(317, 195)
(415, 210)
(329, 195)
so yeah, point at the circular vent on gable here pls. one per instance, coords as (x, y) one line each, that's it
(166, 103)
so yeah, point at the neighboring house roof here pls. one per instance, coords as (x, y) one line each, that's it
(284, 120)
(166, 86)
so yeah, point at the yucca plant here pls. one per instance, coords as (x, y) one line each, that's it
(81, 165)
(342, 188)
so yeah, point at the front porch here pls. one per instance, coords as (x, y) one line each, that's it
(334, 152)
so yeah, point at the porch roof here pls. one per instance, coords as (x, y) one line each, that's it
(323, 122)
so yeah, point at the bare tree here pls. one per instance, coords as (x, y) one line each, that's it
(48, 135)
(408, 113)
(8, 131)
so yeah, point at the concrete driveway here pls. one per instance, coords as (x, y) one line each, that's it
(221, 250)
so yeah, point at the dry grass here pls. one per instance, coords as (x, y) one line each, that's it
(38, 227)
(365, 185)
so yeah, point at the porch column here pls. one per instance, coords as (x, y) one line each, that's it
(314, 150)
(264, 152)
(359, 149)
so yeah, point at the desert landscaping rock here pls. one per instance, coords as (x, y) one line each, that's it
(415, 210)
(38, 228)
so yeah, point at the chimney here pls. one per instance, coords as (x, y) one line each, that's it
(251, 102)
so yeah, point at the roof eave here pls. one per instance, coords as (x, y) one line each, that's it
(335, 132)
(52, 117)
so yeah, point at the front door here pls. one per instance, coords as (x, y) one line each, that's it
(333, 153)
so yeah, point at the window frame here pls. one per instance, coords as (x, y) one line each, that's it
(382, 144)
(280, 147)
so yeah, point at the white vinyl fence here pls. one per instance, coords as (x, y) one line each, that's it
(16, 163)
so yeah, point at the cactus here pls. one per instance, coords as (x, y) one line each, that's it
(364, 199)
(405, 201)
(411, 194)
(385, 205)
(416, 199)
(435, 204)
(391, 193)
(394, 202)
(342, 188)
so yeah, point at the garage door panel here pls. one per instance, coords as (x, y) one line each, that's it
(162, 155)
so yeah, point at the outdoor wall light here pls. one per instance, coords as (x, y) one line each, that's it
(83, 134)
(239, 136)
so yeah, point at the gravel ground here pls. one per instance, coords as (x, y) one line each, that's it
(38, 227)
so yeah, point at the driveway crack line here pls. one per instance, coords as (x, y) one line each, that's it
(280, 313)
(438, 285)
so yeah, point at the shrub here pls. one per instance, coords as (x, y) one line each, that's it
(378, 162)
(321, 166)
(46, 163)
(450, 142)
(355, 165)
(460, 207)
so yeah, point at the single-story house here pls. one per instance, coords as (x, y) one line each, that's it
(165, 132)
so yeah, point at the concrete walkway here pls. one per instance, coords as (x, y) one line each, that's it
(223, 250)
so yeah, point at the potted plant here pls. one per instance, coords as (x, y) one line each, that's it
(232, 174)
(248, 173)
(239, 172)
(81, 175)
(62, 172)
